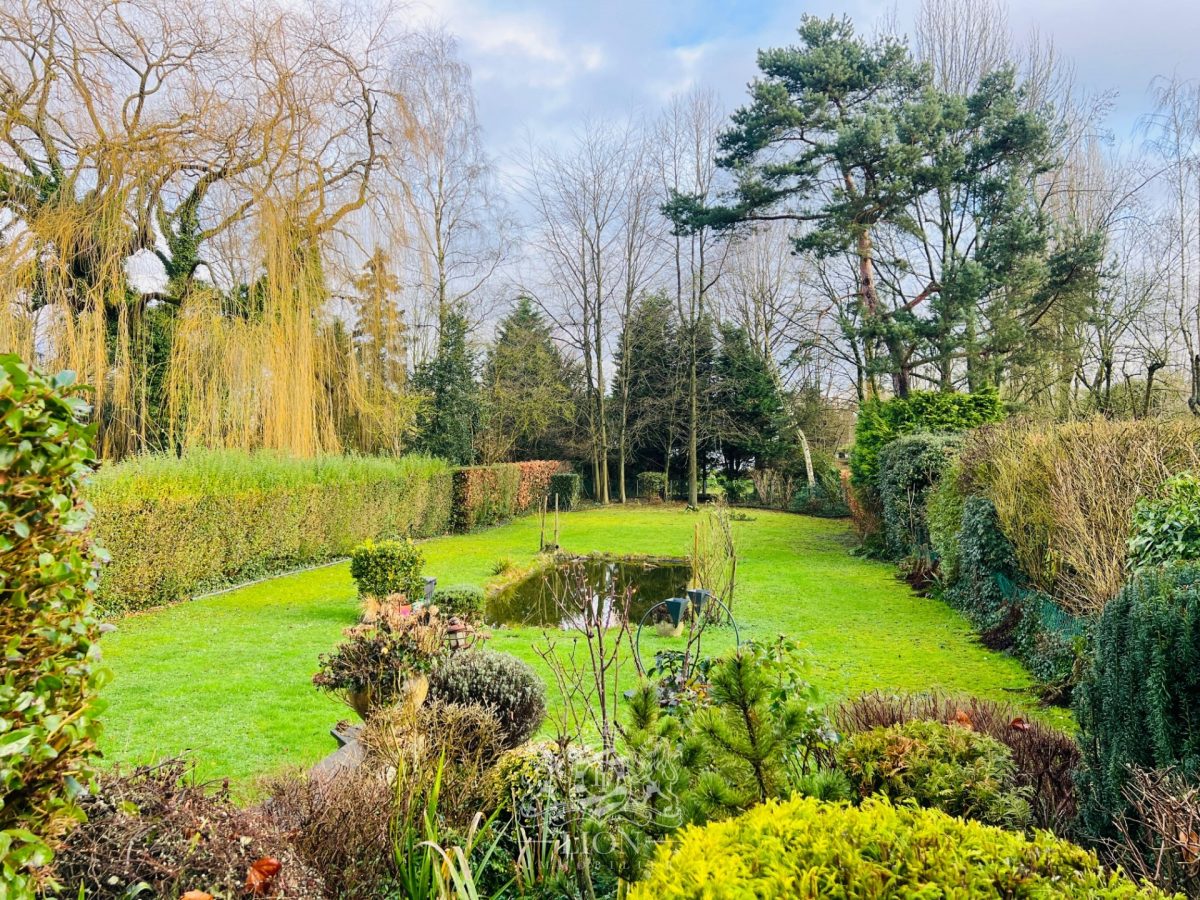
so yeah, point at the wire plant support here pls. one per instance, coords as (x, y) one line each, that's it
(698, 598)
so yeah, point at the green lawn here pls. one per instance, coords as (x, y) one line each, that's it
(227, 677)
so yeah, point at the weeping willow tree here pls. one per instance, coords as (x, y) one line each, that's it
(284, 374)
(233, 155)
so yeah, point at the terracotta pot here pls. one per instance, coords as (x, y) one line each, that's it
(360, 702)
(413, 692)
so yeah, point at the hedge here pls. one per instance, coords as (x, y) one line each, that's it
(1065, 495)
(806, 848)
(486, 495)
(178, 527)
(991, 590)
(941, 412)
(908, 468)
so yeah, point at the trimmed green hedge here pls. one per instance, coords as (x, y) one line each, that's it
(177, 527)
(908, 468)
(806, 848)
(568, 487)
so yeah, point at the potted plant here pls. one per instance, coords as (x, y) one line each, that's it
(385, 662)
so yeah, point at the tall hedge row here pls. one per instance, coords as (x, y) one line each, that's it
(909, 468)
(938, 412)
(177, 527)
(485, 495)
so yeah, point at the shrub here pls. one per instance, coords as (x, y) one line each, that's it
(156, 828)
(389, 567)
(943, 517)
(464, 741)
(1139, 698)
(372, 667)
(49, 667)
(498, 681)
(179, 527)
(537, 783)
(829, 498)
(1065, 496)
(1045, 759)
(567, 487)
(340, 826)
(1166, 528)
(653, 485)
(486, 495)
(985, 556)
(463, 600)
(754, 720)
(346, 824)
(988, 588)
(948, 767)
(908, 468)
(806, 848)
(882, 421)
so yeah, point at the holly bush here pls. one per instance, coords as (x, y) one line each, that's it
(1166, 528)
(50, 664)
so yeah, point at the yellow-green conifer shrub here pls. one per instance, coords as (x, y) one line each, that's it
(806, 848)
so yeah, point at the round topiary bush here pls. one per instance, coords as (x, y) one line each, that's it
(807, 848)
(499, 681)
(463, 600)
(388, 567)
(946, 767)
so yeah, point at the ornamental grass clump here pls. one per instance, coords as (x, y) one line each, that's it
(806, 849)
(49, 661)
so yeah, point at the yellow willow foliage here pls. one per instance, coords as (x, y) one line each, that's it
(284, 378)
(61, 276)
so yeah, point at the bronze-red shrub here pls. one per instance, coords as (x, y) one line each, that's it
(485, 495)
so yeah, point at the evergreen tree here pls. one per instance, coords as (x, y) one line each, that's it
(751, 410)
(851, 140)
(446, 423)
(652, 368)
(528, 406)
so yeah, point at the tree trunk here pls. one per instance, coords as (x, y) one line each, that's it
(693, 428)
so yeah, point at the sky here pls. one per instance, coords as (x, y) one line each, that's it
(542, 66)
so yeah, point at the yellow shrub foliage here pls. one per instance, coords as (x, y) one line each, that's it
(807, 848)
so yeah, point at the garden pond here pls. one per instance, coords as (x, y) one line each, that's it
(550, 595)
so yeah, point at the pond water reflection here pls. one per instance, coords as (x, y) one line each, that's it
(600, 581)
